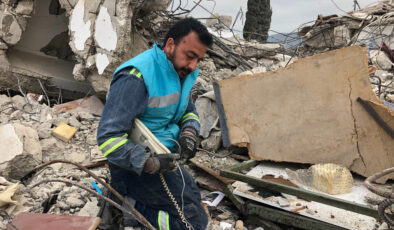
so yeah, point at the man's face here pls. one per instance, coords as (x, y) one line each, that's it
(186, 54)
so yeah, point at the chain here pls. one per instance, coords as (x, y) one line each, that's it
(183, 218)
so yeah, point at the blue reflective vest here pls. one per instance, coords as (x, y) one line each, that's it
(168, 95)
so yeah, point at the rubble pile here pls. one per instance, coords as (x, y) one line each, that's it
(26, 128)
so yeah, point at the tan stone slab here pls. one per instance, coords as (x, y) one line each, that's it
(308, 113)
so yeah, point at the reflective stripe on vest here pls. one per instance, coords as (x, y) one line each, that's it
(190, 116)
(113, 143)
(163, 220)
(155, 102)
(135, 72)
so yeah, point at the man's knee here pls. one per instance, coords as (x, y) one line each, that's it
(197, 217)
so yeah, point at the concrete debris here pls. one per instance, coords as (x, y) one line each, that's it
(213, 142)
(65, 51)
(208, 112)
(90, 208)
(21, 150)
(90, 105)
(219, 21)
(380, 60)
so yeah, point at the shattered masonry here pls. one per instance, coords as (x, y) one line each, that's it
(88, 39)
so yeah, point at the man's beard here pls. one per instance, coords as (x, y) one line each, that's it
(182, 71)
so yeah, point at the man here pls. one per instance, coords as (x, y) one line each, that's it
(155, 87)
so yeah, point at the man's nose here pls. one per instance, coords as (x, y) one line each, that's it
(193, 64)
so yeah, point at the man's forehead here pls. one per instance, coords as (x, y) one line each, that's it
(191, 43)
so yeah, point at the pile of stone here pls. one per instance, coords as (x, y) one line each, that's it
(26, 141)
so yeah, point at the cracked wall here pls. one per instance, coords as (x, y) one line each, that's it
(70, 44)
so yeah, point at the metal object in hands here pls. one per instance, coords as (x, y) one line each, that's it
(141, 135)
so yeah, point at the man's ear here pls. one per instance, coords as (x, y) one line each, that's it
(169, 46)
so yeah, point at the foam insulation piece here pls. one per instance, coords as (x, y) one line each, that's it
(64, 132)
(331, 178)
(314, 118)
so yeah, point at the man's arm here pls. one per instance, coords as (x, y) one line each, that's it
(190, 120)
(190, 129)
(127, 99)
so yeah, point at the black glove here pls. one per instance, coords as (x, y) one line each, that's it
(188, 142)
(161, 163)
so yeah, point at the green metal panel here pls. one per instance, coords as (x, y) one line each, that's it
(277, 215)
(301, 193)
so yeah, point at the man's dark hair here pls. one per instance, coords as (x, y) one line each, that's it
(183, 27)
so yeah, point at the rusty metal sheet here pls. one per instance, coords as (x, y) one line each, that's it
(41, 221)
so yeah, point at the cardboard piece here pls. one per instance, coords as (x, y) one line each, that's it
(308, 113)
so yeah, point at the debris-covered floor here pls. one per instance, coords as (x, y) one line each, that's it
(43, 74)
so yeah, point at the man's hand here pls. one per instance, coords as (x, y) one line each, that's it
(188, 142)
(161, 163)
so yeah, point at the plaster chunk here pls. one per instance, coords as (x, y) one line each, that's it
(79, 27)
(105, 34)
(20, 150)
(102, 62)
(10, 142)
(24, 7)
(10, 31)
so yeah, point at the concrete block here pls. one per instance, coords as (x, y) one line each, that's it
(25, 7)
(20, 150)
(10, 31)
(64, 132)
(380, 60)
(4, 100)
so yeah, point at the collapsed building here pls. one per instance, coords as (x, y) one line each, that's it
(71, 45)
(68, 49)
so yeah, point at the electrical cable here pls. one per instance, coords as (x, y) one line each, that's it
(167, 189)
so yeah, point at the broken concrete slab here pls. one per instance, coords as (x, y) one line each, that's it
(90, 104)
(25, 7)
(4, 100)
(311, 122)
(10, 30)
(91, 208)
(21, 150)
(213, 142)
(207, 110)
(380, 60)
